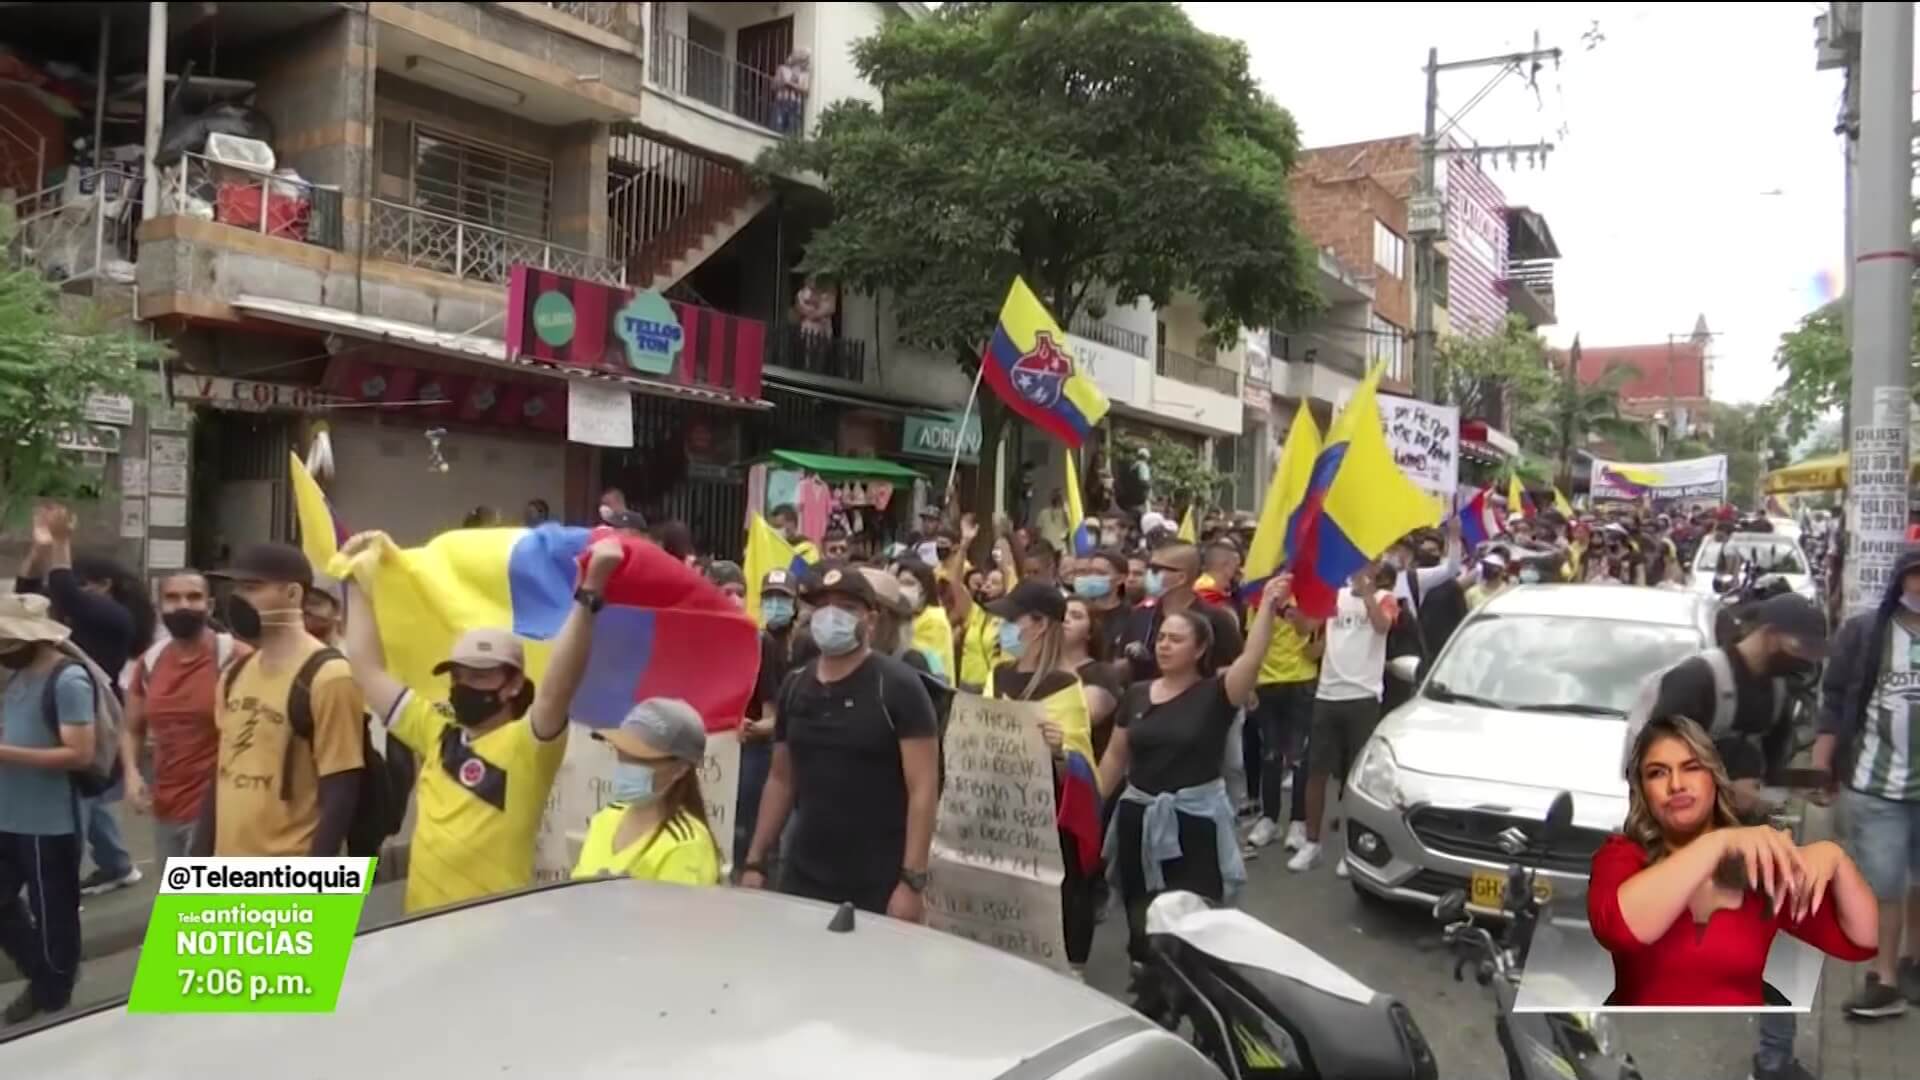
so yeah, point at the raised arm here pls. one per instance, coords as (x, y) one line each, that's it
(1245, 672)
(567, 665)
(364, 651)
(961, 607)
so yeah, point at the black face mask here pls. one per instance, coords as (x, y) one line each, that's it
(243, 617)
(185, 624)
(19, 659)
(1787, 666)
(473, 706)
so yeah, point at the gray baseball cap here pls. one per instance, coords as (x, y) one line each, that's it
(660, 727)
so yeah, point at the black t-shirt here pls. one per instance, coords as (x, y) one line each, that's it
(1176, 744)
(1010, 684)
(1093, 673)
(1688, 690)
(843, 739)
(1144, 628)
(776, 662)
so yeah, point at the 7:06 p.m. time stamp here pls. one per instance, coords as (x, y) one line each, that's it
(234, 983)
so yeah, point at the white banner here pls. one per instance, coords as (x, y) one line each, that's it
(599, 415)
(1426, 442)
(996, 864)
(1694, 478)
(584, 786)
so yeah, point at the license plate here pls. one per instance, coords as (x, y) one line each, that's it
(1488, 889)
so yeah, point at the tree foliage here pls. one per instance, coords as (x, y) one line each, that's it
(1753, 437)
(1506, 374)
(1816, 367)
(49, 364)
(1181, 475)
(1096, 149)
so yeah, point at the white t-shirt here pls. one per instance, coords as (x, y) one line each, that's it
(1355, 664)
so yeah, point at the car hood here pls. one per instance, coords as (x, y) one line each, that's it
(1550, 751)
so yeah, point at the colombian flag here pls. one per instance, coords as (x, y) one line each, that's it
(1517, 500)
(665, 630)
(1358, 502)
(1082, 539)
(1267, 554)
(1027, 364)
(1478, 522)
(768, 550)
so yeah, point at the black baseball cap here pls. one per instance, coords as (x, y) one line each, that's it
(277, 563)
(1796, 617)
(1031, 598)
(838, 579)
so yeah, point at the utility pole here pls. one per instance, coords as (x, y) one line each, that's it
(1837, 41)
(1882, 275)
(1426, 213)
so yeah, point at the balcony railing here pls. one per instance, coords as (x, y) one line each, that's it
(77, 230)
(662, 201)
(604, 16)
(1307, 347)
(421, 238)
(1106, 333)
(1535, 274)
(679, 66)
(821, 354)
(253, 199)
(1187, 369)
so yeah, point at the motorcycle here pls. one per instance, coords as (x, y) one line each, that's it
(1259, 1004)
(1564, 1046)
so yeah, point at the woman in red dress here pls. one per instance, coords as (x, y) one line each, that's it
(1688, 900)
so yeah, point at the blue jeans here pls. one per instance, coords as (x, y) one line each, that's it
(1884, 840)
(1776, 1042)
(756, 761)
(103, 834)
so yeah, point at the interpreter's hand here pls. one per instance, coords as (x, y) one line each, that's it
(1055, 737)
(1822, 860)
(603, 558)
(1773, 864)
(1279, 592)
(137, 793)
(753, 879)
(906, 905)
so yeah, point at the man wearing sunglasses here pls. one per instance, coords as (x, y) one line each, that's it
(1172, 572)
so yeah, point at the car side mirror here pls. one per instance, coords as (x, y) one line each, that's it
(1405, 668)
(1450, 907)
(1559, 818)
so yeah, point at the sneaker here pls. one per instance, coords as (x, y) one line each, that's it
(100, 882)
(21, 1009)
(1248, 852)
(1875, 1000)
(1340, 869)
(1792, 1070)
(1263, 832)
(1306, 858)
(1296, 835)
(1908, 979)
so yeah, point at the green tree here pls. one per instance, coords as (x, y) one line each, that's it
(1754, 439)
(1816, 367)
(1095, 149)
(1585, 411)
(1180, 474)
(49, 364)
(1505, 374)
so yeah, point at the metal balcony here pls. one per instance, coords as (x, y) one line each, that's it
(1107, 334)
(1187, 369)
(421, 238)
(820, 354)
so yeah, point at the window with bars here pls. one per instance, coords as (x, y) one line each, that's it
(1389, 250)
(482, 185)
(1387, 342)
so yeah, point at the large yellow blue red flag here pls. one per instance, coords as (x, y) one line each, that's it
(665, 631)
(1285, 494)
(1082, 537)
(1358, 503)
(768, 550)
(1027, 363)
(1188, 533)
(318, 536)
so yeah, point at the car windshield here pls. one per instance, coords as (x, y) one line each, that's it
(1771, 556)
(1526, 662)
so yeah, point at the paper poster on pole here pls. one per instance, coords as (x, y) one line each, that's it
(1426, 442)
(133, 476)
(584, 785)
(1877, 478)
(996, 865)
(1692, 478)
(599, 415)
(133, 519)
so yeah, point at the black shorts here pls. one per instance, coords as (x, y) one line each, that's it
(1340, 729)
(1285, 712)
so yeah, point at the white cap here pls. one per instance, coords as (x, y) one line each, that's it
(1494, 560)
(1152, 520)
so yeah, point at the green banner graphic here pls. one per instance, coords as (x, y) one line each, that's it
(250, 935)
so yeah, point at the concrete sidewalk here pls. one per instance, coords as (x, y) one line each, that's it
(1842, 1048)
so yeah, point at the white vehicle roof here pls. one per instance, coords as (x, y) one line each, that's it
(1623, 603)
(617, 977)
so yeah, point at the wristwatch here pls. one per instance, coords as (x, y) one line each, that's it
(914, 879)
(589, 599)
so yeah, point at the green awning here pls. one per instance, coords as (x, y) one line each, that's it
(849, 468)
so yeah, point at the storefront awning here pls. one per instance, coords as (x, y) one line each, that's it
(844, 468)
(471, 347)
(1827, 473)
(847, 392)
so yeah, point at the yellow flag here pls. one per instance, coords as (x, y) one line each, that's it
(1560, 503)
(1188, 534)
(767, 550)
(317, 537)
(1284, 495)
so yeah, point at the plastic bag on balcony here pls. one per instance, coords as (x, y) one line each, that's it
(175, 197)
(189, 134)
(239, 150)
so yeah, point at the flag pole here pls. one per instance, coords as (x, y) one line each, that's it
(960, 434)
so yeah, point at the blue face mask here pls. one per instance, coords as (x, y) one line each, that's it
(633, 783)
(1156, 585)
(776, 612)
(1011, 643)
(837, 632)
(1093, 587)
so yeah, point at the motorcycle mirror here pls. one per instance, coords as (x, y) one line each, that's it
(1559, 816)
(1450, 907)
(1405, 668)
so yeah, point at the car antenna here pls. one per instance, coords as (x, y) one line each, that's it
(842, 921)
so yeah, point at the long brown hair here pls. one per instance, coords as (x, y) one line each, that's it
(1096, 637)
(1641, 826)
(684, 797)
(1046, 651)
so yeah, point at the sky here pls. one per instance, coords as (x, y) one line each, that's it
(1696, 171)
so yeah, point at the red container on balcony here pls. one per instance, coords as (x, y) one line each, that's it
(239, 204)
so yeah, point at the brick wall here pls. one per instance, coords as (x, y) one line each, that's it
(1340, 191)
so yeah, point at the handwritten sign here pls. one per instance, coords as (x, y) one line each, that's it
(599, 415)
(584, 786)
(996, 864)
(1426, 442)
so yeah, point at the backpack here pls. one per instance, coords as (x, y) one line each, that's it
(1726, 699)
(222, 653)
(103, 772)
(380, 809)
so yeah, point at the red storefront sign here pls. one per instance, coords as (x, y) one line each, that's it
(482, 401)
(577, 323)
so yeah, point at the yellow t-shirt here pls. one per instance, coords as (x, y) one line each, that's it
(979, 647)
(1286, 660)
(251, 817)
(680, 851)
(933, 635)
(480, 802)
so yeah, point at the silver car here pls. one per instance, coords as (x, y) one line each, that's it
(1528, 699)
(615, 977)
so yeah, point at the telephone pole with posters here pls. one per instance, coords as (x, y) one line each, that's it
(1882, 279)
(1426, 211)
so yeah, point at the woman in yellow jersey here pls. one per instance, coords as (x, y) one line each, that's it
(656, 827)
(932, 632)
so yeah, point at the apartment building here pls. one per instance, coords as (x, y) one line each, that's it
(336, 213)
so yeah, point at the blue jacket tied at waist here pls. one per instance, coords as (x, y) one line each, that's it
(1160, 833)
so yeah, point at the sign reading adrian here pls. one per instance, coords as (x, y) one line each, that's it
(651, 332)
